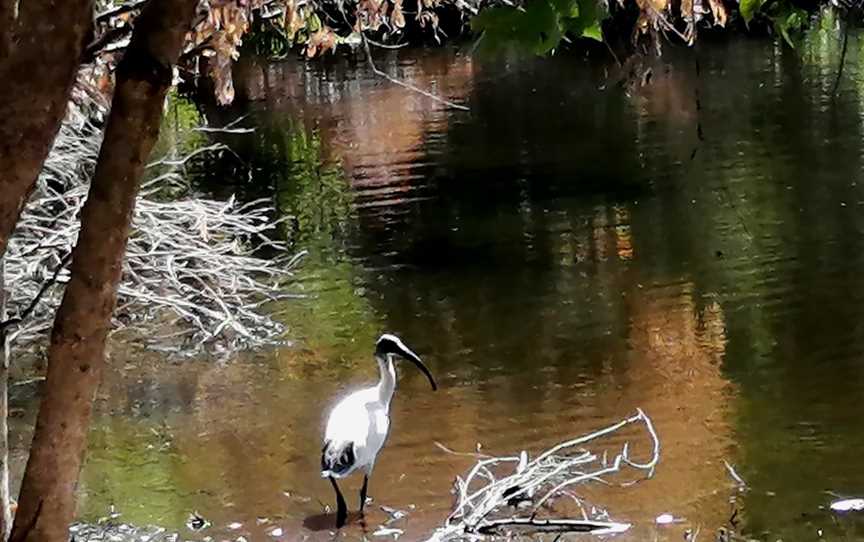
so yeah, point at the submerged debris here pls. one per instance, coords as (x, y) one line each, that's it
(384, 531)
(848, 505)
(742, 485)
(196, 522)
(482, 496)
(664, 519)
(120, 532)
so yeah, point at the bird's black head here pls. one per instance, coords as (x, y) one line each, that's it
(391, 344)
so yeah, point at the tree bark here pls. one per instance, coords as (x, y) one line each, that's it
(8, 18)
(5, 498)
(76, 354)
(41, 43)
(40, 51)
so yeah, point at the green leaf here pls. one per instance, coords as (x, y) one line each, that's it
(587, 25)
(542, 24)
(789, 21)
(748, 9)
(566, 8)
(499, 20)
(594, 32)
(535, 27)
(591, 13)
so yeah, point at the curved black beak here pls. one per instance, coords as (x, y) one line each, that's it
(390, 344)
(408, 354)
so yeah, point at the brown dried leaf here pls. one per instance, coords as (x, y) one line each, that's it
(687, 10)
(428, 17)
(320, 42)
(652, 7)
(397, 18)
(719, 12)
(643, 23)
(220, 68)
(294, 19)
(372, 13)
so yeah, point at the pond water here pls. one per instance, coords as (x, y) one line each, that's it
(559, 257)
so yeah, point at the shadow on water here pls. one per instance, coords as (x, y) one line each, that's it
(327, 522)
(558, 260)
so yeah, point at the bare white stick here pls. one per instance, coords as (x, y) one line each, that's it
(493, 492)
(734, 475)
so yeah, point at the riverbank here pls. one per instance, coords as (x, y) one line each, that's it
(618, 30)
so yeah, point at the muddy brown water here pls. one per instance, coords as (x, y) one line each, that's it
(558, 259)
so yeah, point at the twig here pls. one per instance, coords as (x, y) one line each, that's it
(228, 128)
(45, 286)
(28, 381)
(403, 84)
(208, 129)
(668, 25)
(386, 46)
(182, 161)
(554, 526)
(842, 58)
(735, 476)
(462, 454)
(125, 7)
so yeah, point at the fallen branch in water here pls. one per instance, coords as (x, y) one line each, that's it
(735, 476)
(505, 525)
(443, 101)
(502, 495)
(192, 270)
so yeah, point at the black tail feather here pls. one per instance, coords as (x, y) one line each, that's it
(338, 459)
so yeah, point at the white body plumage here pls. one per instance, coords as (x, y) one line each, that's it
(361, 421)
(357, 426)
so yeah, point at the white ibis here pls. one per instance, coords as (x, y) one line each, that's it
(357, 426)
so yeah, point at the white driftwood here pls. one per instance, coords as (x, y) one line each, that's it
(192, 272)
(504, 495)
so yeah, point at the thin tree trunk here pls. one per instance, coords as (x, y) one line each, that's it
(5, 499)
(40, 51)
(8, 18)
(76, 355)
(41, 43)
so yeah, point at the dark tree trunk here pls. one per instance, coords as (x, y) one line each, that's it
(8, 18)
(40, 51)
(40, 48)
(76, 354)
(5, 498)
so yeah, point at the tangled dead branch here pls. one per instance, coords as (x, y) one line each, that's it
(192, 271)
(502, 495)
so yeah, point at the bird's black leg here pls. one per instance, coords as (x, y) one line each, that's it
(363, 492)
(341, 509)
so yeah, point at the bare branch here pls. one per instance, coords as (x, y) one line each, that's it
(403, 84)
(554, 526)
(193, 277)
(6, 324)
(496, 486)
(125, 7)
